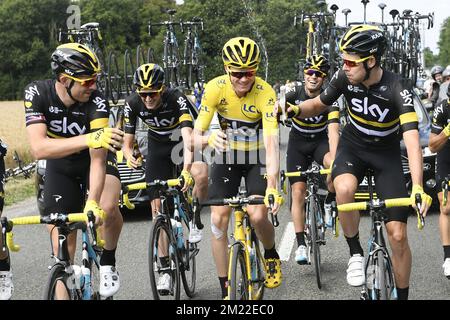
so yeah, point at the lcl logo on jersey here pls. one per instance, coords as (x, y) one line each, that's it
(61, 126)
(30, 92)
(249, 111)
(362, 106)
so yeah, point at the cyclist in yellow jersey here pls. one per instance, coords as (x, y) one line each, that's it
(379, 105)
(244, 105)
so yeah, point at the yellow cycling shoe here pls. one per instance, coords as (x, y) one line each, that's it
(273, 273)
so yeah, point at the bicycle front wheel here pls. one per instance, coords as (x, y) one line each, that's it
(315, 245)
(257, 271)
(163, 262)
(60, 285)
(188, 266)
(238, 276)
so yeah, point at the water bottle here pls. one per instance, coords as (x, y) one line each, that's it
(180, 240)
(327, 209)
(86, 276)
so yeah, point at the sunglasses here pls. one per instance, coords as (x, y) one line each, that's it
(84, 82)
(317, 73)
(354, 63)
(241, 74)
(150, 94)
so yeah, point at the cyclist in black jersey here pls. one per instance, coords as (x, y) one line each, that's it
(67, 121)
(309, 141)
(380, 106)
(169, 115)
(6, 284)
(438, 142)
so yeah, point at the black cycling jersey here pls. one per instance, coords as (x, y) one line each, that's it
(176, 111)
(42, 105)
(376, 113)
(441, 118)
(315, 125)
(3, 150)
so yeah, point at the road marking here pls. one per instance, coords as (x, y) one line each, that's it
(287, 242)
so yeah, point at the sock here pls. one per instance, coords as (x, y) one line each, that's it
(330, 197)
(5, 264)
(224, 286)
(108, 258)
(164, 262)
(354, 245)
(403, 293)
(271, 253)
(446, 252)
(300, 238)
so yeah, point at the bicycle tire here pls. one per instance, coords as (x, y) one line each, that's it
(150, 55)
(313, 209)
(382, 291)
(238, 279)
(114, 79)
(258, 282)
(160, 225)
(188, 262)
(57, 275)
(140, 57)
(128, 68)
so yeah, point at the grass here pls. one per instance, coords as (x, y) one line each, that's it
(18, 189)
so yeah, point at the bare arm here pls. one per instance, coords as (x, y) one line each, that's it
(437, 141)
(310, 108)
(186, 133)
(43, 147)
(411, 138)
(333, 138)
(97, 173)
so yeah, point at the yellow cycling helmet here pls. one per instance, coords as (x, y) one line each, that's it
(317, 62)
(241, 53)
(75, 60)
(148, 77)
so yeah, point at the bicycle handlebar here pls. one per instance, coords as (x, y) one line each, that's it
(54, 218)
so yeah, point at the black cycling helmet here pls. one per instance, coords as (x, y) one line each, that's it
(75, 60)
(148, 77)
(436, 70)
(363, 40)
(241, 53)
(317, 62)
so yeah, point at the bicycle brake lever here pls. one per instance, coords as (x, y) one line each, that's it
(421, 218)
(197, 218)
(272, 217)
(91, 226)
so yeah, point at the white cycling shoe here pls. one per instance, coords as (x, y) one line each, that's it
(446, 267)
(355, 271)
(164, 285)
(6, 285)
(109, 281)
(195, 234)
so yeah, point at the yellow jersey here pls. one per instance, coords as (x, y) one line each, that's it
(245, 117)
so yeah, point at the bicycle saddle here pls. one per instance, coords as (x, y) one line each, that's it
(407, 12)
(334, 8)
(382, 6)
(365, 2)
(90, 25)
(171, 11)
(394, 13)
(346, 11)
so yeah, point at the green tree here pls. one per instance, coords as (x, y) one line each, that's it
(430, 58)
(28, 37)
(444, 43)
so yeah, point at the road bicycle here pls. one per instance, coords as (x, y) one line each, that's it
(21, 169)
(192, 54)
(169, 238)
(109, 80)
(314, 219)
(246, 269)
(66, 280)
(380, 281)
(171, 57)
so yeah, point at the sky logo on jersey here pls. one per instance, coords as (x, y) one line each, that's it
(160, 123)
(407, 98)
(61, 126)
(30, 92)
(317, 119)
(362, 106)
(101, 104)
(182, 103)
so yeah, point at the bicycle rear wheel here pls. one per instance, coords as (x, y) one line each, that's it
(315, 245)
(60, 285)
(188, 265)
(162, 245)
(238, 279)
(115, 87)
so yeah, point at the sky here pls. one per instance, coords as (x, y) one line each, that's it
(430, 37)
(441, 9)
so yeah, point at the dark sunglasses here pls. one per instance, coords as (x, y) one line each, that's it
(317, 73)
(84, 82)
(152, 94)
(241, 74)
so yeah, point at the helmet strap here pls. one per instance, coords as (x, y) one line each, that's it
(69, 90)
(368, 70)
